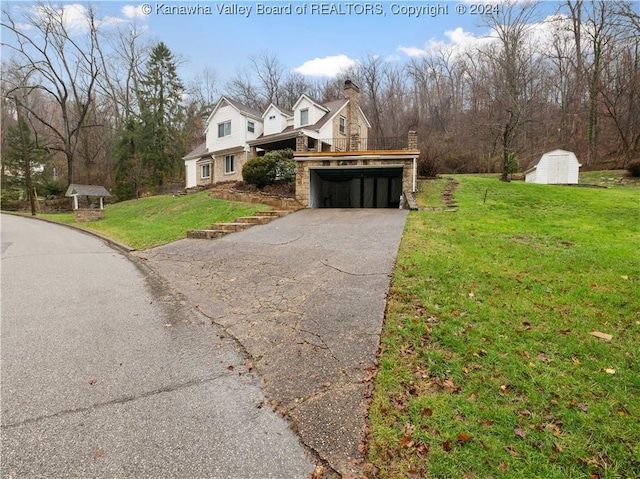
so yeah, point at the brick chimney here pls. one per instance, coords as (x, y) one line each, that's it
(352, 93)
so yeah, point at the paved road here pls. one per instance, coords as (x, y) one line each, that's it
(106, 375)
(305, 295)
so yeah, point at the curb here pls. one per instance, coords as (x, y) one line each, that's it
(111, 242)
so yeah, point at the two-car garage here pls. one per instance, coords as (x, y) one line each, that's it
(354, 179)
(355, 187)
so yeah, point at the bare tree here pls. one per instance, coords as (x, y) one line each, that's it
(63, 65)
(511, 63)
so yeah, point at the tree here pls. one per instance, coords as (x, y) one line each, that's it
(61, 63)
(512, 63)
(161, 116)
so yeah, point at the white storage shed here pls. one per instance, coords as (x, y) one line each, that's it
(557, 167)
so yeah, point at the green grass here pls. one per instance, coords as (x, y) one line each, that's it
(487, 367)
(157, 220)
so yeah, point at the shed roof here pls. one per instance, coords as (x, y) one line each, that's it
(87, 190)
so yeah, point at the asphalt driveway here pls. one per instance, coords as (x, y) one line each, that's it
(305, 296)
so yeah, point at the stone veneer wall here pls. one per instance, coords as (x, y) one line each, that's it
(277, 202)
(82, 215)
(303, 176)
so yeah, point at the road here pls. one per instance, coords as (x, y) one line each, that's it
(105, 374)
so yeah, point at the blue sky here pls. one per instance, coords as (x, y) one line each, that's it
(224, 41)
(316, 38)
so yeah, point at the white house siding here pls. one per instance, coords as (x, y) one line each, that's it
(275, 125)
(238, 129)
(191, 173)
(315, 113)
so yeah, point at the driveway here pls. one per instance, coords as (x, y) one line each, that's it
(105, 374)
(305, 296)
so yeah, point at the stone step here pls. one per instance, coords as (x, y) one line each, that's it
(254, 220)
(206, 234)
(230, 227)
(273, 213)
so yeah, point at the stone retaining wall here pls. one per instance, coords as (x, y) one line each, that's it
(82, 215)
(277, 202)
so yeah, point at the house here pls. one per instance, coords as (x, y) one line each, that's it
(554, 167)
(230, 126)
(337, 163)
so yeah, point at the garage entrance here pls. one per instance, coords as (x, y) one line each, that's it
(351, 187)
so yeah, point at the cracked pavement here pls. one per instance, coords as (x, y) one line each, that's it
(305, 296)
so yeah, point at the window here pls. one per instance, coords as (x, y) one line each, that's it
(229, 163)
(251, 127)
(343, 125)
(224, 129)
(205, 171)
(304, 116)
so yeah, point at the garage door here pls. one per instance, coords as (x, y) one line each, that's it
(355, 187)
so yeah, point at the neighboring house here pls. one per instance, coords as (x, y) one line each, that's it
(554, 167)
(230, 126)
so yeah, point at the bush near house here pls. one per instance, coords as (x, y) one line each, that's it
(264, 170)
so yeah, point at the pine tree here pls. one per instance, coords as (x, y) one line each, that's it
(160, 142)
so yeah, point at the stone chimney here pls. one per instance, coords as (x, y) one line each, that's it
(352, 93)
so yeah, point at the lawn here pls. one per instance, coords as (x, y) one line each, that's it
(488, 365)
(157, 220)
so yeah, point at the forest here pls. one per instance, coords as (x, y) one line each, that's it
(106, 105)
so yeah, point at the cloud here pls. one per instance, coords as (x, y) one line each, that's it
(133, 12)
(457, 40)
(328, 67)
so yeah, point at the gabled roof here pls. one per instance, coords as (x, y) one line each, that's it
(283, 111)
(87, 190)
(303, 96)
(198, 152)
(240, 107)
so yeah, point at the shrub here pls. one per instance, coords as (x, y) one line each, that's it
(265, 170)
(634, 169)
(259, 171)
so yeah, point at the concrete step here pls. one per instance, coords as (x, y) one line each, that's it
(254, 220)
(230, 227)
(206, 234)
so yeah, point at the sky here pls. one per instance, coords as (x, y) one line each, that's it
(315, 38)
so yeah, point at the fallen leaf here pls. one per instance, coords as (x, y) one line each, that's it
(519, 432)
(99, 453)
(503, 467)
(463, 438)
(584, 407)
(625, 277)
(610, 371)
(605, 336)
(425, 412)
(446, 445)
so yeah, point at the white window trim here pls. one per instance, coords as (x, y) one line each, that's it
(342, 125)
(224, 129)
(208, 165)
(227, 172)
(251, 126)
(301, 112)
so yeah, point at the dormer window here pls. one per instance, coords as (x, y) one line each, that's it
(224, 129)
(304, 117)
